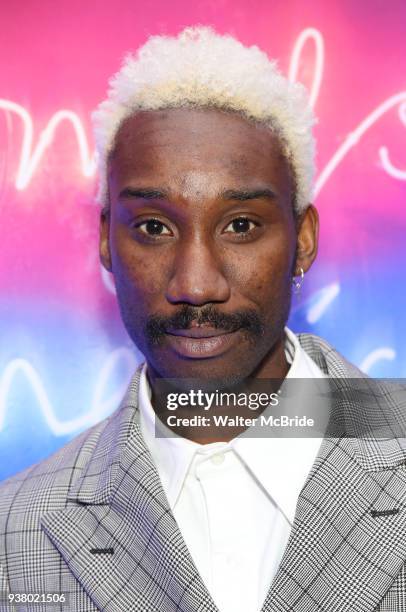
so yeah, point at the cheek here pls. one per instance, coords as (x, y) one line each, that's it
(261, 273)
(141, 272)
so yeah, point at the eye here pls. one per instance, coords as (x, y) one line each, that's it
(241, 225)
(154, 227)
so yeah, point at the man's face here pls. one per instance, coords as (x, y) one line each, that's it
(202, 241)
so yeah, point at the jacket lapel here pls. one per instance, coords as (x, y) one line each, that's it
(345, 548)
(347, 544)
(118, 535)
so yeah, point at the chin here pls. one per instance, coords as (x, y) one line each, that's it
(213, 373)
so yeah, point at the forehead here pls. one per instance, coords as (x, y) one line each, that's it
(197, 150)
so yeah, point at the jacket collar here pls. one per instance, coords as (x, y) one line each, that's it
(372, 412)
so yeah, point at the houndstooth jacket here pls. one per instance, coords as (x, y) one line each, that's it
(92, 522)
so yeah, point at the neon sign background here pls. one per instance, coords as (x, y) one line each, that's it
(65, 359)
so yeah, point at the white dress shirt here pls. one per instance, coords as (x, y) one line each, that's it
(235, 501)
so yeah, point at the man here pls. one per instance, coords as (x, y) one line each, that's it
(206, 163)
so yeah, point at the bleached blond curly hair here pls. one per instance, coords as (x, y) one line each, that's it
(200, 68)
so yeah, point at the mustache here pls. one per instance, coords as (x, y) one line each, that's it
(247, 320)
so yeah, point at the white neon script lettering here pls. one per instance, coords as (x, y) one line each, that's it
(384, 154)
(316, 36)
(354, 137)
(30, 158)
(100, 405)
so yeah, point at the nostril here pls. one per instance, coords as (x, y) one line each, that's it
(198, 290)
(198, 277)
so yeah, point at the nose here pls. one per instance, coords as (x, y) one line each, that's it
(197, 277)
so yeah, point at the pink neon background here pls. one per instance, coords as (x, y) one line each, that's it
(60, 55)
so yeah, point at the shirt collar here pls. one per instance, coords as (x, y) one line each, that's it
(280, 465)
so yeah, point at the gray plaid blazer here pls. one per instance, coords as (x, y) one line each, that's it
(92, 521)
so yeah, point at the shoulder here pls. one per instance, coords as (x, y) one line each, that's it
(328, 358)
(44, 485)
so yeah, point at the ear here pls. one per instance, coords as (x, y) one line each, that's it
(307, 239)
(104, 244)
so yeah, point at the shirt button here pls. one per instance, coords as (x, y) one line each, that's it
(217, 459)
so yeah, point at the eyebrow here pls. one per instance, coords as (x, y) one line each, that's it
(145, 194)
(229, 194)
(254, 194)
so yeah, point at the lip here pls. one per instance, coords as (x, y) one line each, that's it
(201, 331)
(201, 342)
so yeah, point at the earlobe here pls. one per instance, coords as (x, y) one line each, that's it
(104, 245)
(307, 239)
